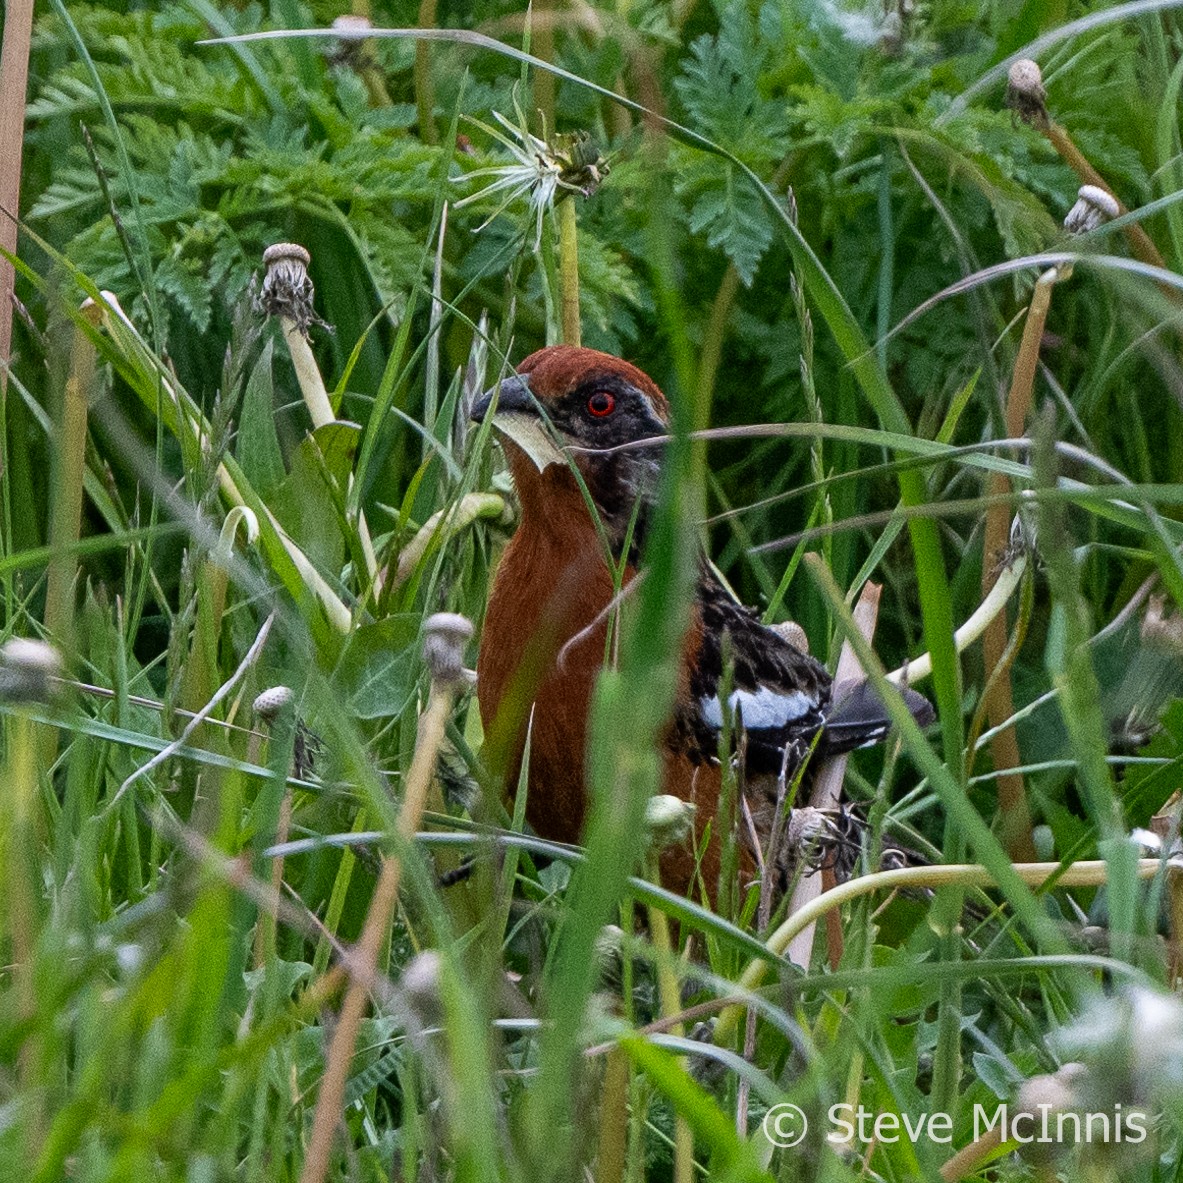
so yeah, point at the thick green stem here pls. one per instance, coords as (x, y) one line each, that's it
(423, 81)
(70, 465)
(569, 270)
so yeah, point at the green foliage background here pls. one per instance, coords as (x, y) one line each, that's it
(154, 1022)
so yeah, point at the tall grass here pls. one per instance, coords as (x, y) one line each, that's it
(210, 908)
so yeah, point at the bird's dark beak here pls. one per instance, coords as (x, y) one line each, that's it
(514, 396)
(519, 420)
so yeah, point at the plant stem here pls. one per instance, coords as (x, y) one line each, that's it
(66, 519)
(423, 81)
(569, 270)
(320, 408)
(968, 1157)
(14, 80)
(613, 1142)
(1014, 816)
(671, 1004)
(1140, 242)
(827, 788)
(445, 523)
(312, 385)
(363, 963)
(1091, 873)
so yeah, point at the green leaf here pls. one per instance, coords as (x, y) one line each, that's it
(257, 446)
(379, 667)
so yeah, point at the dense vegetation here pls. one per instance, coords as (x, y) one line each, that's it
(817, 219)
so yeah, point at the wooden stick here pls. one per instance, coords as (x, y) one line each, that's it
(827, 787)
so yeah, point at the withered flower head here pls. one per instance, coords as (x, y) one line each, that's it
(27, 670)
(287, 289)
(1094, 206)
(1025, 94)
(444, 637)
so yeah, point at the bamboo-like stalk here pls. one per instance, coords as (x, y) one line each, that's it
(1014, 816)
(569, 270)
(827, 787)
(14, 81)
(422, 78)
(443, 654)
(65, 523)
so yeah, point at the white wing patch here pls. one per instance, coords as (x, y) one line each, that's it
(763, 709)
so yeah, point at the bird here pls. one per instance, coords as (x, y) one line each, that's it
(570, 410)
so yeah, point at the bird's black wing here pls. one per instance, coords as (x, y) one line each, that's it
(781, 695)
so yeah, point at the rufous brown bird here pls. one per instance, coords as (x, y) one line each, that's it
(544, 635)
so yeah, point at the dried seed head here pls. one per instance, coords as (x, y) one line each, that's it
(287, 290)
(1160, 627)
(444, 637)
(1039, 1101)
(419, 988)
(808, 828)
(1025, 94)
(271, 702)
(1094, 206)
(1132, 1041)
(669, 820)
(792, 632)
(581, 166)
(350, 25)
(92, 310)
(353, 49)
(1058, 1091)
(609, 944)
(27, 670)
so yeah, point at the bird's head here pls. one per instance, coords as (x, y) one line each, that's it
(567, 405)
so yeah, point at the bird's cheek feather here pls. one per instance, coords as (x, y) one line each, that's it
(530, 434)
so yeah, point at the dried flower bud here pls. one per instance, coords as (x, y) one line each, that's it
(669, 820)
(271, 702)
(27, 670)
(791, 631)
(1094, 206)
(352, 50)
(1057, 1090)
(808, 828)
(609, 945)
(287, 289)
(581, 167)
(420, 990)
(444, 636)
(351, 25)
(1041, 1099)
(1025, 94)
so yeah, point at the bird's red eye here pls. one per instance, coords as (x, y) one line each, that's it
(601, 403)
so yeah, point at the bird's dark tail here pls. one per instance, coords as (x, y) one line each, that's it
(859, 718)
